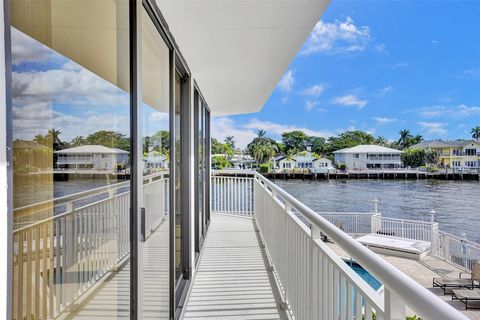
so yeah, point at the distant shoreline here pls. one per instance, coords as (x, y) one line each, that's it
(385, 175)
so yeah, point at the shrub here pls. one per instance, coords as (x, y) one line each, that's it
(264, 168)
(220, 162)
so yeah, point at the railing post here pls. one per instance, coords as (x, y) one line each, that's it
(69, 244)
(394, 306)
(432, 226)
(315, 234)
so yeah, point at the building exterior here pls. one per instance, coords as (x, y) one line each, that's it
(305, 160)
(454, 154)
(132, 246)
(92, 157)
(368, 157)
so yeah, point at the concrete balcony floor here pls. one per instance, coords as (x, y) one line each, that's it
(232, 281)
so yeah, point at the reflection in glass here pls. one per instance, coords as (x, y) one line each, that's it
(71, 159)
(178, 170)
(156, 159)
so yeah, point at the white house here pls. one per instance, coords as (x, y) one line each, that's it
(303, 160)
(91, 157)
(155, 161)
(369, 157)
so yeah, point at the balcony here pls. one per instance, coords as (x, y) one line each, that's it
(263, 258)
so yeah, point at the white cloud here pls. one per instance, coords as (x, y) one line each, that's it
(287, 81)
(226, 126)
(434, 128)
(466, 111)
(277, 128)
(350, 100)
(25, 49)
(337, 37)
(399, 65)
(309, 105)
(384, 120)
(384, 91)
(433, 111)
(315, 90)
(472, 73)
(460, 111)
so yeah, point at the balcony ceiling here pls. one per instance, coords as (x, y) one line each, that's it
(238, 50)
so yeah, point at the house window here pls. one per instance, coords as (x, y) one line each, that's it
(470, 152)
(356, 156)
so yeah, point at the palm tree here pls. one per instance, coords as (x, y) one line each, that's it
(404, 138)
(381, 141)
(261, 133)
(476, 133)
(54, 135)
(230, 141)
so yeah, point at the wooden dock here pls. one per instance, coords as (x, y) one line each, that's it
(232, 281)
(379, 175)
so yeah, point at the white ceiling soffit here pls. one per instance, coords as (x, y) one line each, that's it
(238, 50)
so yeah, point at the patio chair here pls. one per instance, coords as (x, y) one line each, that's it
(467, 295)
(459, 283)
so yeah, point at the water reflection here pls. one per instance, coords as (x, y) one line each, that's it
(456, 203)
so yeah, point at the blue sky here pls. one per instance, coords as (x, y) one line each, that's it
(379, 67)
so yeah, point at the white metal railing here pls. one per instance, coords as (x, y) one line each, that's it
(451, 248)
(230, 194)
(455, 249)
(58, 259)
(355, 223)
(315, 282)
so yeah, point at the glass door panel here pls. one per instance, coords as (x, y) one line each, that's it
(178, 176)
(155, 267)
(71, 120)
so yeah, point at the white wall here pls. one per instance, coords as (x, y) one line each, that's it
(5, 203)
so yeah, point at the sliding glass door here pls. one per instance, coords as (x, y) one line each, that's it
(202, 173)
(87, 153)
(71, 163)
(154, 267)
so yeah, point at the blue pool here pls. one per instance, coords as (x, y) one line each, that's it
(364, 274)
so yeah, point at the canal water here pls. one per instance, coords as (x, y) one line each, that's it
(456, 203)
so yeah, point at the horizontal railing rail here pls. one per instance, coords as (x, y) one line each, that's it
(274, 210)
(56, 261)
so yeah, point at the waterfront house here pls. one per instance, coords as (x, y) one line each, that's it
(368, 157)
(155, 161)
(305, 161)
(184, 244)
(91, 157)
(454, 153)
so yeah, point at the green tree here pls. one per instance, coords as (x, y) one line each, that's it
(476, 133)
(381, 141)
(262, 148)
(413, 157)
(349, 139)
(294, 140)
(219, 162)
(110, 139)
(78, 141)
(405, 138)
(230, 141)
(318, 144)
(160, 141)
(432, 158)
